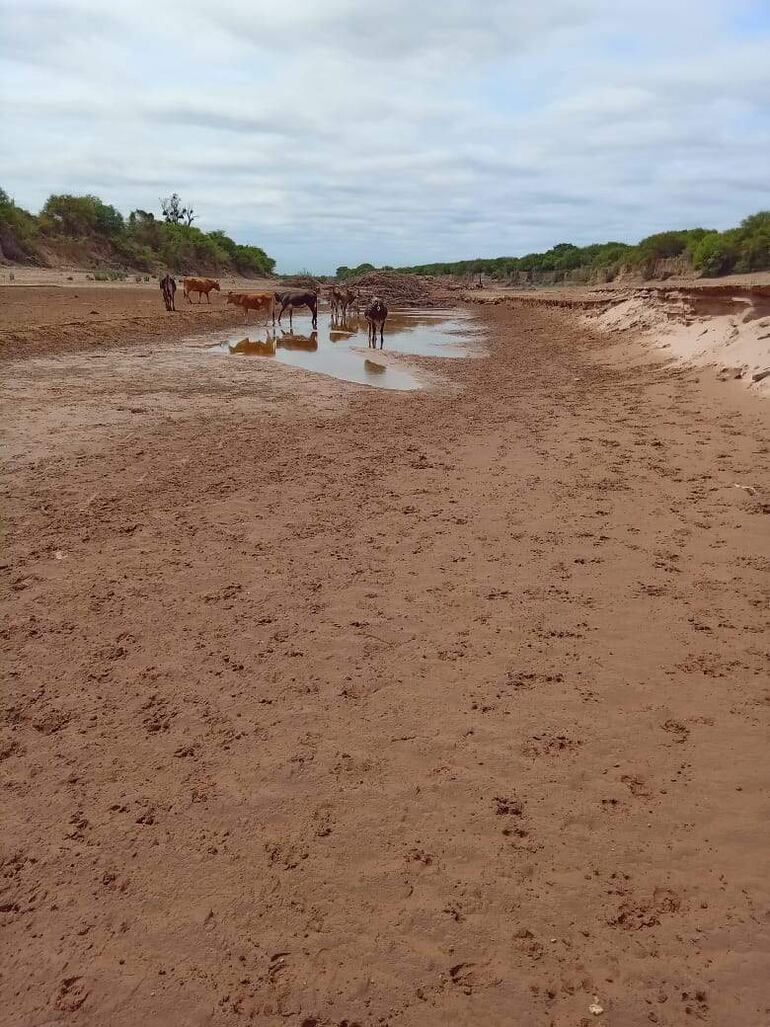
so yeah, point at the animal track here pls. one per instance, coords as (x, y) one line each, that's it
(525, 681)
(642, 915)
(550, 745)
(677, 729)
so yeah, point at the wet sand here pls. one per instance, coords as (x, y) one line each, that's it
(329, 705)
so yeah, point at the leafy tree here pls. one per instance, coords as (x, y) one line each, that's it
(348, 272)
(80, 216)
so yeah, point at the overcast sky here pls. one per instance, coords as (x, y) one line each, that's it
(402, 131)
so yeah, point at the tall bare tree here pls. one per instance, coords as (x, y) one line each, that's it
(173, 211)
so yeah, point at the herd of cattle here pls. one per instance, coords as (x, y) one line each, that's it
(342, 302)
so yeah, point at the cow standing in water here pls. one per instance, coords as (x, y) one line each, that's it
(298, 299)
(376, 314)
(168, 288)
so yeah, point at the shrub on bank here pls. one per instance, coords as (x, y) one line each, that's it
(19, 230)
(85, 225)
(742, 249)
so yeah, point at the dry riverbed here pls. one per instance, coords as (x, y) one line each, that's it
(335, 705)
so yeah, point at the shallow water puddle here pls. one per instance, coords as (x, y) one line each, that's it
(340, 348)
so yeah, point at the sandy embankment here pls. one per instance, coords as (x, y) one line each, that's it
(722, 324)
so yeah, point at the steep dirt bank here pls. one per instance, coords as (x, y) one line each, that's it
(723, 324)
(326, 705)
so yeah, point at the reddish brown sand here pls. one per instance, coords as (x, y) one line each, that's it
(331, 706)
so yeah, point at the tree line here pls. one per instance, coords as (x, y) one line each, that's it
(98, 232)
(736, 251)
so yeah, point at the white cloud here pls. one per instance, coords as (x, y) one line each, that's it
(330, 131)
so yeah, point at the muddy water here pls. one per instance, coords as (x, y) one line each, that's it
(339, 348)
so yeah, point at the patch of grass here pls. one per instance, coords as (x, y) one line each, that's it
(110, 276)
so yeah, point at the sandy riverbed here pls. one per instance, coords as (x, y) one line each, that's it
(328, 705)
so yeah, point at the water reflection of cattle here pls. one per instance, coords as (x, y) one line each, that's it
(203, 286)
(254, 348)
(253, 301)
(341, 332)
(168, 288)
(306, 343)
(298, 299)
(376, 314)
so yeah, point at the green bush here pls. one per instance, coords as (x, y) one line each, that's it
(141, 241)
(753, 243)
(344, 272)
(713, 255)
(742, 249)
(18, 228)
(80, 216)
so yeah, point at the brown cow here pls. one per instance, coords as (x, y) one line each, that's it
(341, 301)
(349, 301)
(201, 286)
(335, 300)
(253, 301)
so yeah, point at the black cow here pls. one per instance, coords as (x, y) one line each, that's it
(298, 299)
(376, 314)
(168, 288)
